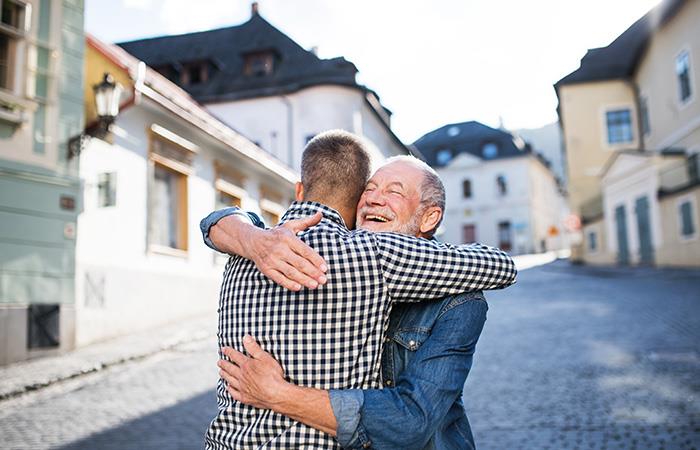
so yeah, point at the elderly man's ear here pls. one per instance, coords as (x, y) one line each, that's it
(299, 192)
(431, 217)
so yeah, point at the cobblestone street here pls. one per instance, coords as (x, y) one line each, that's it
(570, 358)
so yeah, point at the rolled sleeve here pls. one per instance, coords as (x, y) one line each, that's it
(214, 217)
(346, 406)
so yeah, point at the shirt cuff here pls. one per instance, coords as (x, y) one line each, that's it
(346, 406)
(211, 220)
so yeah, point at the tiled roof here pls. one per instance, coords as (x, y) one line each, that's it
(620, 58)
(469, 137)
(225, 50)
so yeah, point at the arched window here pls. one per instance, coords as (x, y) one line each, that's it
(501, 185)
(467, 188)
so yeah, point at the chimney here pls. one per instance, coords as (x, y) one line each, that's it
(254, 9)
(314, 50)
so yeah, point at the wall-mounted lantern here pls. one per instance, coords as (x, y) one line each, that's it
(107, 96)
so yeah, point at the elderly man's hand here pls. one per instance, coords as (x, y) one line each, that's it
(256, 380)
(282, 257)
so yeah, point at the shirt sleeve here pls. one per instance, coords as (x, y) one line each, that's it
(409, 414)
(346, 406)
(211, 220)
(418, 269)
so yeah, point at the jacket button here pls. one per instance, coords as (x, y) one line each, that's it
(367, 444)
(388, 382)
(412, 344)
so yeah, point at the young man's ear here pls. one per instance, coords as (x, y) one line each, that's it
(431, 217)
(299, 191)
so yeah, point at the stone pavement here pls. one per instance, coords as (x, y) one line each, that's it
(570, 358)
(589, 358)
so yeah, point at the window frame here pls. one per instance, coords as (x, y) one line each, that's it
(181, 169)
(501, 192)
(499, 227)
(17, 50)
(688, 198)
(685, 50)
(467, 193)
(617, 109)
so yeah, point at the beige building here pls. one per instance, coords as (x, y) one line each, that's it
(636, 97)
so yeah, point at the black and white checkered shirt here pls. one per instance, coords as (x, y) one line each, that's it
(331, 337)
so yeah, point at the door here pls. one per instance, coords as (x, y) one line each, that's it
(469, 234)
(646, 250)
(623, 256)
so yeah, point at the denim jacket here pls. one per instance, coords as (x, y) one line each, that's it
(425, 363)
(426, 358)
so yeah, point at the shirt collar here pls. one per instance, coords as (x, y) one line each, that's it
(298, 210)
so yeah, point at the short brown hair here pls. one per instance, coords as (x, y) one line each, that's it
(335, 168)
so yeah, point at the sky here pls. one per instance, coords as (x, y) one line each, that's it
(432, 62)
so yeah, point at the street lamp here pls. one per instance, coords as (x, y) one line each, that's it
(107, 96)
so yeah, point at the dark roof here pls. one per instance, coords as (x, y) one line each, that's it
(469, 137)
(619, 59)
(224, 50)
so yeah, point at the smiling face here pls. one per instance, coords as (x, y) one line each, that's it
(391, 200)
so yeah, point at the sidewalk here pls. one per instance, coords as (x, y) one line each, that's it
(523, 262)
(18, 378)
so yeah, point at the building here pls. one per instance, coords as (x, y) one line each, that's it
(631, 108)
(41, 98)
(167, 164)
(260, 82)
(499, 192)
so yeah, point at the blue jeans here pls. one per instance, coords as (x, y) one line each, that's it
(425, 362)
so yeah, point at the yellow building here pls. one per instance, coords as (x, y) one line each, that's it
(636, 96)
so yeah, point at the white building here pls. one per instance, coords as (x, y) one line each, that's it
(498, 191)
(260, 82)
(168, 163)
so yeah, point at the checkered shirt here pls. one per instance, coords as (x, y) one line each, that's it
(331, 337)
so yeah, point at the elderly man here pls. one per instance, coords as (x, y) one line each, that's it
(330, 338)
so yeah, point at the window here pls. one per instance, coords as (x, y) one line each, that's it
(258, 64)
(489, 150)
(592, 241)
(686, 217)
(505, 241)
(168, 207)
(468, 234)
(194, 73)
(644, 113)
(501, 185)
(224, 200)
(107, 189)
(683, 76)
(453, 131)
(13, 26)
(619, 123)
(171, 157)
(444, 156)
(467, 189)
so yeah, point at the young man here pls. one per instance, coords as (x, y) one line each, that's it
(330, 338)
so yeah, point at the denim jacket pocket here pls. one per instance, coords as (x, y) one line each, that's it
(411, 339)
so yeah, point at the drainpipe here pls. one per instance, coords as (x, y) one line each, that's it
(290, 130)
(638, 106)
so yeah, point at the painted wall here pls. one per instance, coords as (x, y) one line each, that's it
(583, 108)
(678, 250)
(39, 186)
(528, 204)
(673, 123)
(123, 284)
(266, 120)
